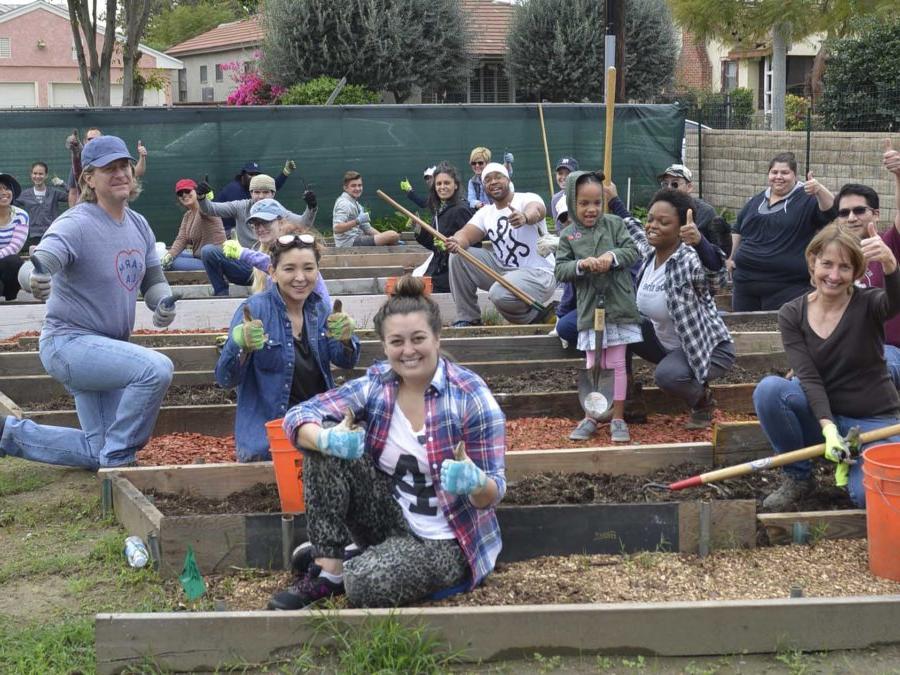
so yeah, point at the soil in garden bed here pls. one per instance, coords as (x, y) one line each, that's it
(177, 395)
(527, 433)
(557, 488)
(825, 569)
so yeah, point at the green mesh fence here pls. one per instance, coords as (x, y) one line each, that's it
(384, 143)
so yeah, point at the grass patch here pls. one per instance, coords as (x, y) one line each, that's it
(63, 647)
(19, 477)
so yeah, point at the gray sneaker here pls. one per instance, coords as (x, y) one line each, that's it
(618, 432)
(585, 429)
(790, 492)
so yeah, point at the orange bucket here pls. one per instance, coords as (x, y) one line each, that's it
(288, 463)
(391, 282)
(881, 479)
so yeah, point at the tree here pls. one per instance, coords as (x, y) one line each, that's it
(745, 22)
(93, 67)
(862, 79)
(173, 25)
(135, 14)
(390, 45)
(555, 49)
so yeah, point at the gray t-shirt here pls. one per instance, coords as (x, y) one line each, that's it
(346, 208)
(240, 211)
(103, 264)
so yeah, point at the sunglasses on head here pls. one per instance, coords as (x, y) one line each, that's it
(476, 163)
(290, 239)
(856, 211)
(182, 193)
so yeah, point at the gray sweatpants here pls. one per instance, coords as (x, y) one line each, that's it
(466, 279)
(353, 501)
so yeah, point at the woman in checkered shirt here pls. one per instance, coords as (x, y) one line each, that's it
(421, 514)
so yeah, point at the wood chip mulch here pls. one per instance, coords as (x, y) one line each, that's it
(529, 433)
(826, 569)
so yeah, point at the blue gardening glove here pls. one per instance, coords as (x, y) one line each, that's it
(232, 249)
(405, 185)
(40, 285)
(164, 314)
(166, 261)
(508, 158)
(836, 450)
(362, 218)
(344, 441)
(462, 478)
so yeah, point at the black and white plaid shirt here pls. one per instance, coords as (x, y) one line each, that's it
(689, 299)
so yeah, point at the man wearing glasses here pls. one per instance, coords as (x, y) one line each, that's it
(679, 177)
(858, 211)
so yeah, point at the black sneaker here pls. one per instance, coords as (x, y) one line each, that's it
(304, 555)
(790, 492)
(702, 415)
(306, 590)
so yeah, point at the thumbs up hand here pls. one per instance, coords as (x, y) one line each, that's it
(874, 248)
(891, 158)
(516, 218)
(811, 186)
(141, 148)
(690, 235)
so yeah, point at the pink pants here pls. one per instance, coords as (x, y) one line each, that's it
(612, 358)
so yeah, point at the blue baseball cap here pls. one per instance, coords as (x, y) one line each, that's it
(251, 167)
(267, 209)
(103, 150)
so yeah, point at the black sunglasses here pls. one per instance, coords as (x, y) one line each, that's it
(856, 211)
(182, 193)
(476, 163)
(674, 185)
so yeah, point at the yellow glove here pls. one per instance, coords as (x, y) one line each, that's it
(232, 249)
(836, 450)
(340, 325)
(405, 185)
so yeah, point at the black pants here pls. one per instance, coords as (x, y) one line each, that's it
(9, 282)
(764, 296)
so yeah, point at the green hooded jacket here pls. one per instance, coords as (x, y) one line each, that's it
(577, 242)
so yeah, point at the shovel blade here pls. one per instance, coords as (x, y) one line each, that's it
(595, 391)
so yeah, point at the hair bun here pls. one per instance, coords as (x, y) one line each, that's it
(409, 286)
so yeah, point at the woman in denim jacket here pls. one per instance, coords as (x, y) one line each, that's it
(284, 355)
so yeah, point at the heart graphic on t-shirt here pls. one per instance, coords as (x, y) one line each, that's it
(130, 268)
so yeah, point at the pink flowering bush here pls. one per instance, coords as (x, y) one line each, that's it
(251, 88)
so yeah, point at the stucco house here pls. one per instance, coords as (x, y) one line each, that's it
(204, 79)
(39, 67)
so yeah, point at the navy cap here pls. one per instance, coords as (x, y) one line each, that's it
(567, 163)
(251, 167)
(103, 150)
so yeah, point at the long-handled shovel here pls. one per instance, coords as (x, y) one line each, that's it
(468, 257)
(777, 460)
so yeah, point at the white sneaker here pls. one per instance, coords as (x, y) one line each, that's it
(618, 432)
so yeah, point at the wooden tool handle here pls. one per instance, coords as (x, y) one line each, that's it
(610, 117)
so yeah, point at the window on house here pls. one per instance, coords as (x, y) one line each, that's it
(220, 74)
(5, 52)
(729, 75)
(182, 85)
(203, 76)
(489, 83)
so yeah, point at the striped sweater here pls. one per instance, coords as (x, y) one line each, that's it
(14, 233)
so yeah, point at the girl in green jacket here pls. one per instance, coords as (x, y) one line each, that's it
(595, 253)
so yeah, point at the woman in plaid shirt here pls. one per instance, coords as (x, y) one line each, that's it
(423, 519)
(682, 330)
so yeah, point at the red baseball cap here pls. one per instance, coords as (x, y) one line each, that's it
(185, 184)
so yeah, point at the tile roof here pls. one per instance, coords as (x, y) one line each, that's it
(489, 21)
(224, 36)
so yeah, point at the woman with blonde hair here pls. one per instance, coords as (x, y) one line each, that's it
(478, 159)
(834, 340)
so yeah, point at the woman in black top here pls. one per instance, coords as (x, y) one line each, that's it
(771, 234)
(450, 212)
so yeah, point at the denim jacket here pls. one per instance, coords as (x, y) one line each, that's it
(263, 381)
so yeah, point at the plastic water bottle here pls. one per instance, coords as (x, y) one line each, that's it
(135, 552)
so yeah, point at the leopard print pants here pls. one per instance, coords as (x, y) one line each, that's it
(353, 501)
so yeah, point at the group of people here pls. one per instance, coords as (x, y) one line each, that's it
(404, 466)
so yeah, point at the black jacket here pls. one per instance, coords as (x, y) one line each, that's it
(449, 221)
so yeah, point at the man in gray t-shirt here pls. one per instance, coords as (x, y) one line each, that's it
(350, 222)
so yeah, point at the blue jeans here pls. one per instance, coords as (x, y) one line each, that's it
(118, 389)
(221, 269)
(789, 424)
(185, 262)
(567, 327)
(892, 358)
